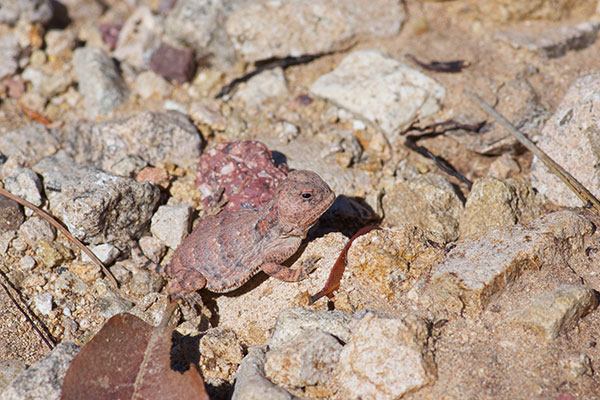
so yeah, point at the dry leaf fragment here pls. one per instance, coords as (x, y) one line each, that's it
(129, 359)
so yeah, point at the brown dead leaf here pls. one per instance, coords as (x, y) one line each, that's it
(129, 359)
(335, 276)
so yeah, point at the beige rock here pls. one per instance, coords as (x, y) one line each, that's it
(428, 201)
(494, 203)
(508, 10)
(577, 366)
(553, 312)
(310, 360)
(381, 90)
(266, 29)
(482, 265)
(386, 358)
(52, 254)
(220, 355)
(504, 167)
(388, 262)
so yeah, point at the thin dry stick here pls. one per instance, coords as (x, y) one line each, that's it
(61, 228)
(50, 342)
(585, 195)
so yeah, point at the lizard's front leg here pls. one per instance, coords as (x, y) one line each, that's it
(286, 273)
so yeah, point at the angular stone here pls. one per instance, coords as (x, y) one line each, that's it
(171, 224)
(508, 11)
(35, 229)
(572, 139)
(220, 355)
(554, 42)
(388, 262)
(156, 137)
(29, 144)
(11, 215)
(100, 82)
(483, 265)
(43, 303)
(149, 84)
(9, 48)
(43, 380)
(107, 253)
(494, 203)
(262, 87)
(554, 312)
(29, 10)
(60, 43)
(385, 358)
(250, 382)
(200, 25)
(295, 323)
(97, 207)
(174, 64)
(26, 184)
(428, 201)
(386, 92)
(138, 38)
(264, 29)
(310, 360)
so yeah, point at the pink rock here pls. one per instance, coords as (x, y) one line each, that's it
(244, 170)
(110, 34)
(174, 64)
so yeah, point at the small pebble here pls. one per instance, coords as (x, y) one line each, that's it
(43, 302)
(174, 64)
(107, 253)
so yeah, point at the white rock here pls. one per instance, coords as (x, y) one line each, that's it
(25, 183)
(380, 89)
(170, 224)
(43, 302)
(266, 85)
(385, 358)
(107, 253)
(139, 37)
(148, 84)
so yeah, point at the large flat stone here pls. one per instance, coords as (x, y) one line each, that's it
(483, 265)
(381, 90)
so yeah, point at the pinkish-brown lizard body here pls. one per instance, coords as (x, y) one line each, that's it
(225, 250)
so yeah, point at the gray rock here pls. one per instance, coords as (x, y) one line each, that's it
(9, 370)
(43, 380)
(139, 37)
(572, 138)
(386, 358)
(29, 10)
(156, 137)
(379, 89)
(29, 144)
(266, 85)
(43, 303)
(428, 201)
(554, 312)
(26, 184)
(107, 253)
(250, 381)
(48, 82)
(97, 207)
(36, 229)
(309, 360)
(553, 42)
(171, 224)
(144, 282)
(295, 323)
(112, 305)
(9, 48)
(100, 82)
(200, 25)
(151, 308)
(262, 29)
(11, 215)
(483, 265)
(494, 203)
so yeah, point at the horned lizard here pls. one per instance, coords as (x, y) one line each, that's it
(226, 250)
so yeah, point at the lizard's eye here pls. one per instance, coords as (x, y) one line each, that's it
(306, 195)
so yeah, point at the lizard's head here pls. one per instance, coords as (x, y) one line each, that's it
(301, 199)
